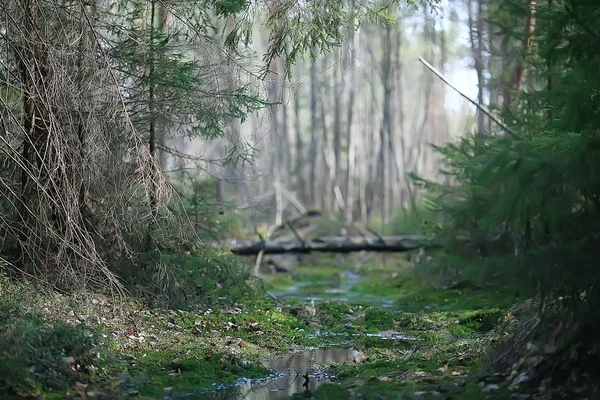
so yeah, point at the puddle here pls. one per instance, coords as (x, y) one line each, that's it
(333, 290)
(341, 291)
(289, 376)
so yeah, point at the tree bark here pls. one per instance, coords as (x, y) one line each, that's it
(313, 132)
(300, 182)
(511, 92)
(476, 39)
(337, 135)
(350, 166)
(152, 140)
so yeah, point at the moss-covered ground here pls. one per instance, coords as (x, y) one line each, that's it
(448, 324)
(445, 324)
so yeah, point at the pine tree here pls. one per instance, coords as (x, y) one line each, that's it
(532, 196)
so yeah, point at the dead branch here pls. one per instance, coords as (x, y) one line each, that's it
(481, 107)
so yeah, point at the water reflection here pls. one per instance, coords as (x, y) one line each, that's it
(293, 373)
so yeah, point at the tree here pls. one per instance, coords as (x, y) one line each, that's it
(92, 94)
(536, 189)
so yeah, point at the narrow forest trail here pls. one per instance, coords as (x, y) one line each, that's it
(372, 331)
(371, 326)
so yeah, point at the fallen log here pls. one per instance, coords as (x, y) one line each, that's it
(332, 244)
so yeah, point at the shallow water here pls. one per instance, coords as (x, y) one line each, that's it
(333, 290)
(342, 291)
(289, 376)
(381, 335)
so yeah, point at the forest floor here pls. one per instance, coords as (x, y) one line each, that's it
(354, 326)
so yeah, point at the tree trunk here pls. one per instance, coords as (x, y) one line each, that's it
(313, 132)
(277, 140)
(445, 135)
(350, 166)
(327, 186)
(300, 182)
(516, 77)
(331, 244)
(337, 136)
(519, 74)
(152, 128)
(161, 135)
(285, 134)
(476, 39)
(385, 131)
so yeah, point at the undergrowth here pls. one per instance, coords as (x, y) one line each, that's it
(38, 351)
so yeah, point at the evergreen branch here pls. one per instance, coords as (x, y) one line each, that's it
(586, 28)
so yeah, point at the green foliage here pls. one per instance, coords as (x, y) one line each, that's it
(213, 277)
(226, 8)
(177, 84)
(412, 222)
(210, 216)
(197, 277)
(532, 199)
(298, 29)
(38, 352)
(33, 354)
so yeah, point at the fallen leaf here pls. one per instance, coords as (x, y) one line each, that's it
(177, 364)
(523, 377)
(492, 387)
(521, 396)
(550, 348)
(531, 346)
(69, 360)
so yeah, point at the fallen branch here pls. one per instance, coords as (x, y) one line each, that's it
(377, 234)
(481, 107)
(298, 237)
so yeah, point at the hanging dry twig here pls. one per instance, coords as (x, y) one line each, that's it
(73, 163)
(481, 107)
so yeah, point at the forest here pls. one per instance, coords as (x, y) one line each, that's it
(325, 199)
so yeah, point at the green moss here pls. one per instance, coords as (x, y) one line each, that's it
(328, 391)
(219, 342)
(199, 369)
